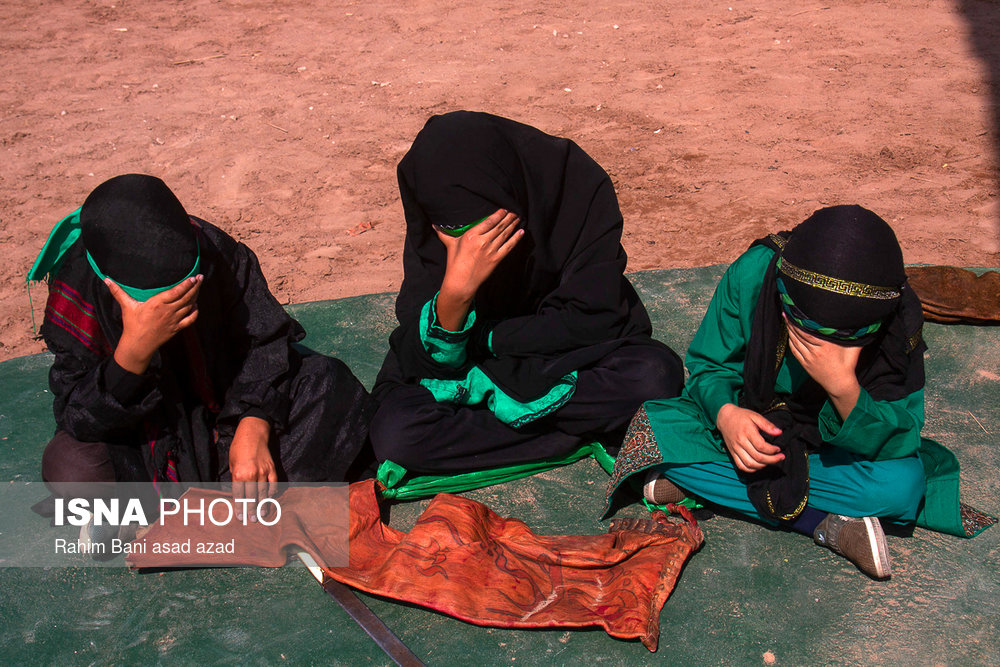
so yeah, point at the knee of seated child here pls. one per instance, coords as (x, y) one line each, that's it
(392, 437)
(70, 467)
(897, 488)
(658, 375)
(66, 459)
(320, 374)
(53, 457)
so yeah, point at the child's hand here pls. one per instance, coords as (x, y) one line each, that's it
(741, 431)
(472, 258)
(147, 325)
(250, 461)
(831, 365)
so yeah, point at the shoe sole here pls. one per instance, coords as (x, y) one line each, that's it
(879, 548)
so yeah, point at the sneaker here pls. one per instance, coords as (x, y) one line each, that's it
(98, 540)
(661, 491)
(859, 540)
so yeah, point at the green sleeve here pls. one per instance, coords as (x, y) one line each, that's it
(715, 356)
(445, 347)
(876, 430)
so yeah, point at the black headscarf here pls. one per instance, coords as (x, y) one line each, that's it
(137, 232)
(559, 301)
(843, 269)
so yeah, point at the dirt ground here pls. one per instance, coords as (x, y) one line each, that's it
(282, 122)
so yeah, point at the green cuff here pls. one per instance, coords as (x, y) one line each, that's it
(872, 429)
(830, 423)
(843, 432)
(445, 347)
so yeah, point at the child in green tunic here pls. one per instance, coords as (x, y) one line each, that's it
(805, 398)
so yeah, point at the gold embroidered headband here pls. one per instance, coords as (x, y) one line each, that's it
(836, 285)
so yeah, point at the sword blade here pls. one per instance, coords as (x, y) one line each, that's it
(362, 615)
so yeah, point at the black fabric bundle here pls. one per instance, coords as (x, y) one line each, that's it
(559, 301)
(852, 244)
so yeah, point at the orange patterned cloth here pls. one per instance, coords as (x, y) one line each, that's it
(464, 560)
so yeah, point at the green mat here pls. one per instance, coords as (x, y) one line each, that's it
(751, 594)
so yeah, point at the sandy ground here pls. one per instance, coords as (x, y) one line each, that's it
(282, 122)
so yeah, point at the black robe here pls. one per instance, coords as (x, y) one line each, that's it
(559, 301)
(236, 360)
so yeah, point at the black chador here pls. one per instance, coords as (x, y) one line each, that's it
(559, 351)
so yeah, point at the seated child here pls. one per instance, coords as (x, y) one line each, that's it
(805, 399)
(173, 361)
(519, 337)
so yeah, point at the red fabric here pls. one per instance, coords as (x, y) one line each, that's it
(67, 309)
(464, 560)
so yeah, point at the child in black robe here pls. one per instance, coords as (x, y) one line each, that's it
(173, 361)
(519, 336)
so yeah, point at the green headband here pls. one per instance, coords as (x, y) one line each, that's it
(147, 294)
(800, 318)
(458, 231)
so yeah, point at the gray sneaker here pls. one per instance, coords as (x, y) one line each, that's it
(661, 491)
(859, 540)
(98, 540)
